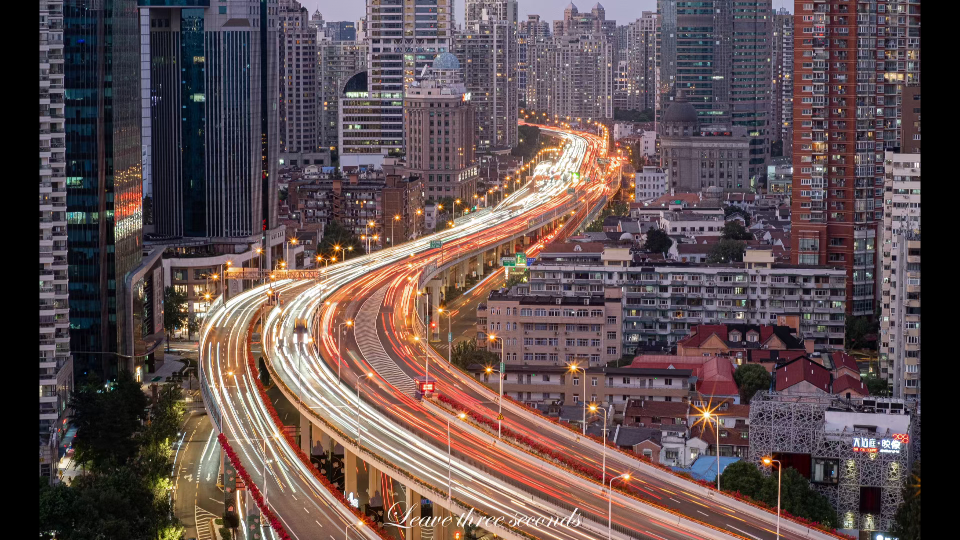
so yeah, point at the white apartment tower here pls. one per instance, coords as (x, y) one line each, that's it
(900, 272)
(56, 366)
(579, 76)
(781, 96)
(298, 80)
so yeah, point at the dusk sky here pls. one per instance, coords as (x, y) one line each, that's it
(622, 11)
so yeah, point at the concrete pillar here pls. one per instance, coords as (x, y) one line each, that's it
(306, 433)
(412, 500)
(373, 485)
(349, 474)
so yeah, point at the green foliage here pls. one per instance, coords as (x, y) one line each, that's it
(658, 241)
(531, 137)
(264, 373)
(750, 379)
(193, 325)
(231, 520)
(518, 278)
(776, 149)
(225, 533)
(335, 234)
(282, 194)
(632, 115)
(466, 353)
(856, 333)
(106, 420)
(734, 230)
(876, 385)
(726, 251)
(613, 208)
(729, 210)
(796, 496)
(174, 309)
(906, 522)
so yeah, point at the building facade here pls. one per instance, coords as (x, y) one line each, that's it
(900, 275)
(579, 76)
(781, 92)
(56, 364)
(650, 183)
(851, 66)
(338, 60)
(299, 80)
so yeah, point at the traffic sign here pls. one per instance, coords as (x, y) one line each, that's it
(499, 417)
(449, 337)
(436, 244)
(521, 258)
(531, 260)
(508, 261)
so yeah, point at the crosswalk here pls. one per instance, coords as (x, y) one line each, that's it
(372, 350)
(204, 523)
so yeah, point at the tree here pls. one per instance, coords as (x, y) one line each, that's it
(57, 508)
(856, 332)
(750, 379)
(335, 235)
(742, 476)
(106, 418)
(796, 496)
(658, 241)
(174, 310)
(730, 210)
(876, 385)
(726, 251)
(734, 230)
(193, 325)
(776, 149)
(466, 353)
(518, 278)
(906, 522)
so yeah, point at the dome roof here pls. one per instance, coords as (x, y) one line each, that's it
(626, 236)
(446, 61)
(356, 83)
(680, 111)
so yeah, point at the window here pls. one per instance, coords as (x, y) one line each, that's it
(825, 471)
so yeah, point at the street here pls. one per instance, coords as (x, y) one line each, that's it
(196, 466)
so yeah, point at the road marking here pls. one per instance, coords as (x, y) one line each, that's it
(702, 512)
(743, 532)
(305, 510)
(674, 500)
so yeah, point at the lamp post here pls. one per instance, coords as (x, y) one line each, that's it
(339, 356)
(450, 458)
(707, 416)
(624, 477)
(594, 408)
(346, 529)
(503, 363)
(393, 239)
(574, 368)
(449, 333)
(426, 359)
(360, 381)
(768, 461)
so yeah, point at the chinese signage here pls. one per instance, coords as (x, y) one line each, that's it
(435, 244)
(886, 445)
(521, 258)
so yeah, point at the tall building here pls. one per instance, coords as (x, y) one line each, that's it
(403, 39)
(851, 66)
(574, 22)
(298, 81)
(534, 43)
(578, 76)
(439, 122)
(56, 364)
(494, 10)
(215, 117)
(104, 181)
(636, 52)
(781, 94)
(910, 138)
(488, 50)
(900, 272)
(338, 61)
(719, 52)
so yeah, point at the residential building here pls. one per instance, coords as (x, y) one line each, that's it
(636, 64)
(575, 23)
(337, 31)
(338, 60)
(734, 428)
(104, 193)
(697, 156)
(439, 123)
(858, 452)
(780, 175)
(538, 80)
(530, 31)
(651, 183)
(910, 140)
(487, 49)
(900, 275)
(842, 128)
(781, 94)
(579, 76)
(739, 341)
(404, 38)
(299, 81)
(718, 51)
(56, 364)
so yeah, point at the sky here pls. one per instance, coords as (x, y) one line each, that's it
(622, 11)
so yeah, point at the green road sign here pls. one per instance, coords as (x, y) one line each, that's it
(436, 244)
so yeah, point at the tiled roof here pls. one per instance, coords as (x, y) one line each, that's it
(704, 331)
(666, 360)
(803, 369)
(585, 247)
(662, 409)
(715, 378)
(842, 359)
(847, 382)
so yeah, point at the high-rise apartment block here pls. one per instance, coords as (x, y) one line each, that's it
(439, 121)
(900, 272)
(852, 62)
(404, 37)
(719, 52)
(487, 48)
(578, 76)
(339, 60)
(910, 138)
(56, 365)
(636, 64)
(595, 21)
(781, 95)
(298, 81)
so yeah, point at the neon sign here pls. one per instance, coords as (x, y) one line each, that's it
(886, 445)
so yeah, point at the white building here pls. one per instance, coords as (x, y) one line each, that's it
(900, 273)
(651, 183)
(56, 364)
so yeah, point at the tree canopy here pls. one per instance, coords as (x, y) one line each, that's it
(906, 522)
(466, 353)
(796, 496)
(750, 379)
(336, 235)
(726, 251)
(857, 330)
(174, 309)
(734, 230)
(658, 241)
(729, 210)
(876, 385)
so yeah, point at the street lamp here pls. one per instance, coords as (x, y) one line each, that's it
(346, 529)
(768, 461)
(449, 458)
(574, 368)
(624, 477)
(449, 333)
(393, 239)
(594, 408)
(339, 356)
(707, 416)
(360, 381)
(503, 363)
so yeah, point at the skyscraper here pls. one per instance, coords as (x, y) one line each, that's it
(338, 61)
(781, 96)
(636, 52)
(404, 38)
(533, 40)
(851, 66)
(299, 82)
(103, 179)
(719, 52)
(579, 76)
(488, 51)
(56, 365)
